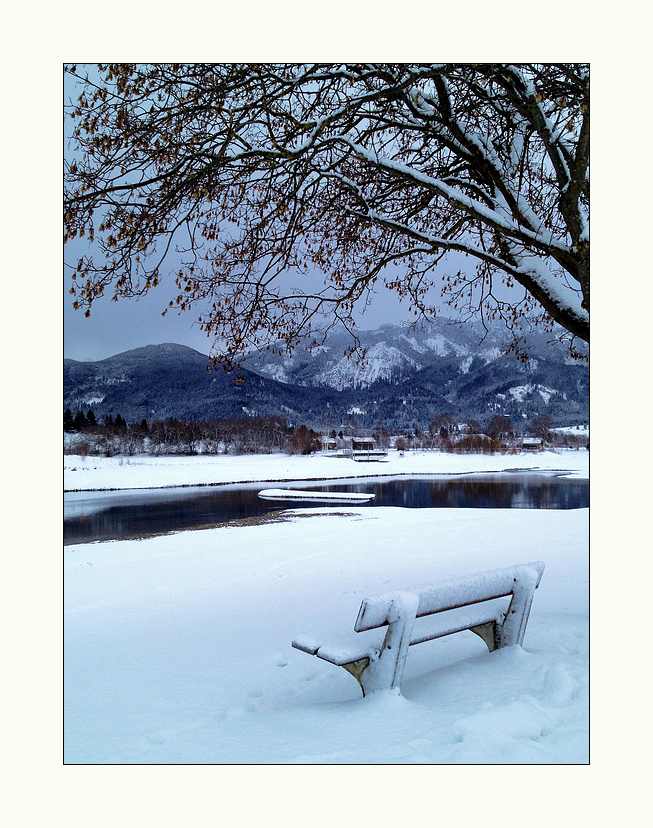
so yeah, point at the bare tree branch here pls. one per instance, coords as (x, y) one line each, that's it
(357, 172)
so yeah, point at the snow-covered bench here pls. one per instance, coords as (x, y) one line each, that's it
(455, 604)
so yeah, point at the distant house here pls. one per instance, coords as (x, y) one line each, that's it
(363, 443)
(364, 448)
(532, 444)
(353, 448)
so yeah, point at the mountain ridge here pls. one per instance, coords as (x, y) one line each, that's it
(390, 349)
(407, 378)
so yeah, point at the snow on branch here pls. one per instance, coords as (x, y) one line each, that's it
(245, 174)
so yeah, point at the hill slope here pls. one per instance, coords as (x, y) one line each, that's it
(406, 380)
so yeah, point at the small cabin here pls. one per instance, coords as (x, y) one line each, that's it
(329, 443)
(363, 443)
(364, 449)
(532, 444)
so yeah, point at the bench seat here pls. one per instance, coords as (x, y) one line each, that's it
(454, 621)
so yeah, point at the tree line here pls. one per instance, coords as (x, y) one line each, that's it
(446, 433)
(246, 435)
(267, 435)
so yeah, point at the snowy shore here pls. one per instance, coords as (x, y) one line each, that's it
(178, 648)
(142, 472)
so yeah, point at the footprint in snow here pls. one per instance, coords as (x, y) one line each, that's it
(279, 659)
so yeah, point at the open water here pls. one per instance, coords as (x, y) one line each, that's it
(96, 516)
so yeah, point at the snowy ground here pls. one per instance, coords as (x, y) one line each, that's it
(578, 430)
(177, 648)
(84, 473)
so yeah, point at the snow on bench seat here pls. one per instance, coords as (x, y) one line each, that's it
(336, 655)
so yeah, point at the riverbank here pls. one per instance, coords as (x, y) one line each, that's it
(143, 472)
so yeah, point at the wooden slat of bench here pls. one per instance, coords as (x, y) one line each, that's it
(445, 624)
(454, 621)
(450, 593)
(345, 655)
(485, 586)
(333, 653)
(307, 645)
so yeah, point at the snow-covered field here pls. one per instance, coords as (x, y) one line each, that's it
(178, 648)
(83, 473)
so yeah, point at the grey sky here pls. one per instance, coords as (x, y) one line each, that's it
(114, 327)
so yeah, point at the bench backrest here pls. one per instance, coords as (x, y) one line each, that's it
(450, 593)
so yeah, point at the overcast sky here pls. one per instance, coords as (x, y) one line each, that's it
(114, 327)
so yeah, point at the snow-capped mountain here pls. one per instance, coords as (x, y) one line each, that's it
(405, 381)
(382, 362)
(393, 354)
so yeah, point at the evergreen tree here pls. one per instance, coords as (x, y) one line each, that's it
(68, 422)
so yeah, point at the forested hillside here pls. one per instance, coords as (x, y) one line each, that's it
(406, 379)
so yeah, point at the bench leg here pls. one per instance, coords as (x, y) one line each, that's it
(357, 668)
(488, 632)
(385, 670)
(511, 632)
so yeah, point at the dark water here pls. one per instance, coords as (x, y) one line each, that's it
(93, 516)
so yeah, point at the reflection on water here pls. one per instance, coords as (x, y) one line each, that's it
(92, 516)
